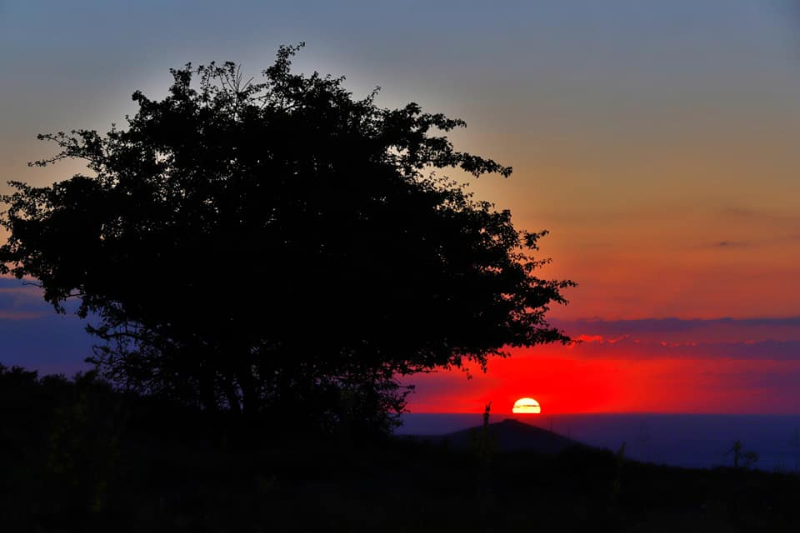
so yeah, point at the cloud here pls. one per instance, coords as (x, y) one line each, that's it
(637, 349)
(764, 228)
(21, 300)
(730, 328)
(731, 244)
(672, 338)
(752, 215)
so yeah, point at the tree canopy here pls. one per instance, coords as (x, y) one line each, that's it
(278, 245)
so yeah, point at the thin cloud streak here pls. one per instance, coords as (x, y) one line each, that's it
(742, 328)
(629, 348)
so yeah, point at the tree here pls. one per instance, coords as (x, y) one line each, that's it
(748, 457)
(278, 245)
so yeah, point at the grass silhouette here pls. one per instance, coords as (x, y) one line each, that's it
(77, 456)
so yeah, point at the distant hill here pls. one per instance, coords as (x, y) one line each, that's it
(510, 435)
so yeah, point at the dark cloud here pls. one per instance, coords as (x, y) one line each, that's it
(659, 326)
(731, 244)
(774, 228)
(6, 283)
(629, 348)
(750, 338)
(22, 299)
(753, 215)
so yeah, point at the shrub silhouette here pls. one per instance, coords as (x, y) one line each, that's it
(747, 457)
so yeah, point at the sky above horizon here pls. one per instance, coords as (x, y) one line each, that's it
(655, 141)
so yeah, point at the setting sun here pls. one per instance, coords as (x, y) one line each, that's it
(526, 405)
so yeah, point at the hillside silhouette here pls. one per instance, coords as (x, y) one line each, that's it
(509, 435)
(78, 456)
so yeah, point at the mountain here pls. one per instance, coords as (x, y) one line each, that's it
(509, 435)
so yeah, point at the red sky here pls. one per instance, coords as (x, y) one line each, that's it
(667, 366)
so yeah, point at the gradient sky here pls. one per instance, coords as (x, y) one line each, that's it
(656, 141)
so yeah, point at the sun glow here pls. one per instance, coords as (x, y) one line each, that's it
(526, 405)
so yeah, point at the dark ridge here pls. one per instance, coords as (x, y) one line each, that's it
(508, 435)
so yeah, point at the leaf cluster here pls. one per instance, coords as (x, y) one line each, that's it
(250, 244)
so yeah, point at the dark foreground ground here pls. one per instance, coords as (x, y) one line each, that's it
(91, 463)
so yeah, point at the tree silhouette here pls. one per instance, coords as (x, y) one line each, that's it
(278, 246)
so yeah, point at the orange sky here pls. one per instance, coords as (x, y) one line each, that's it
(657, 142)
